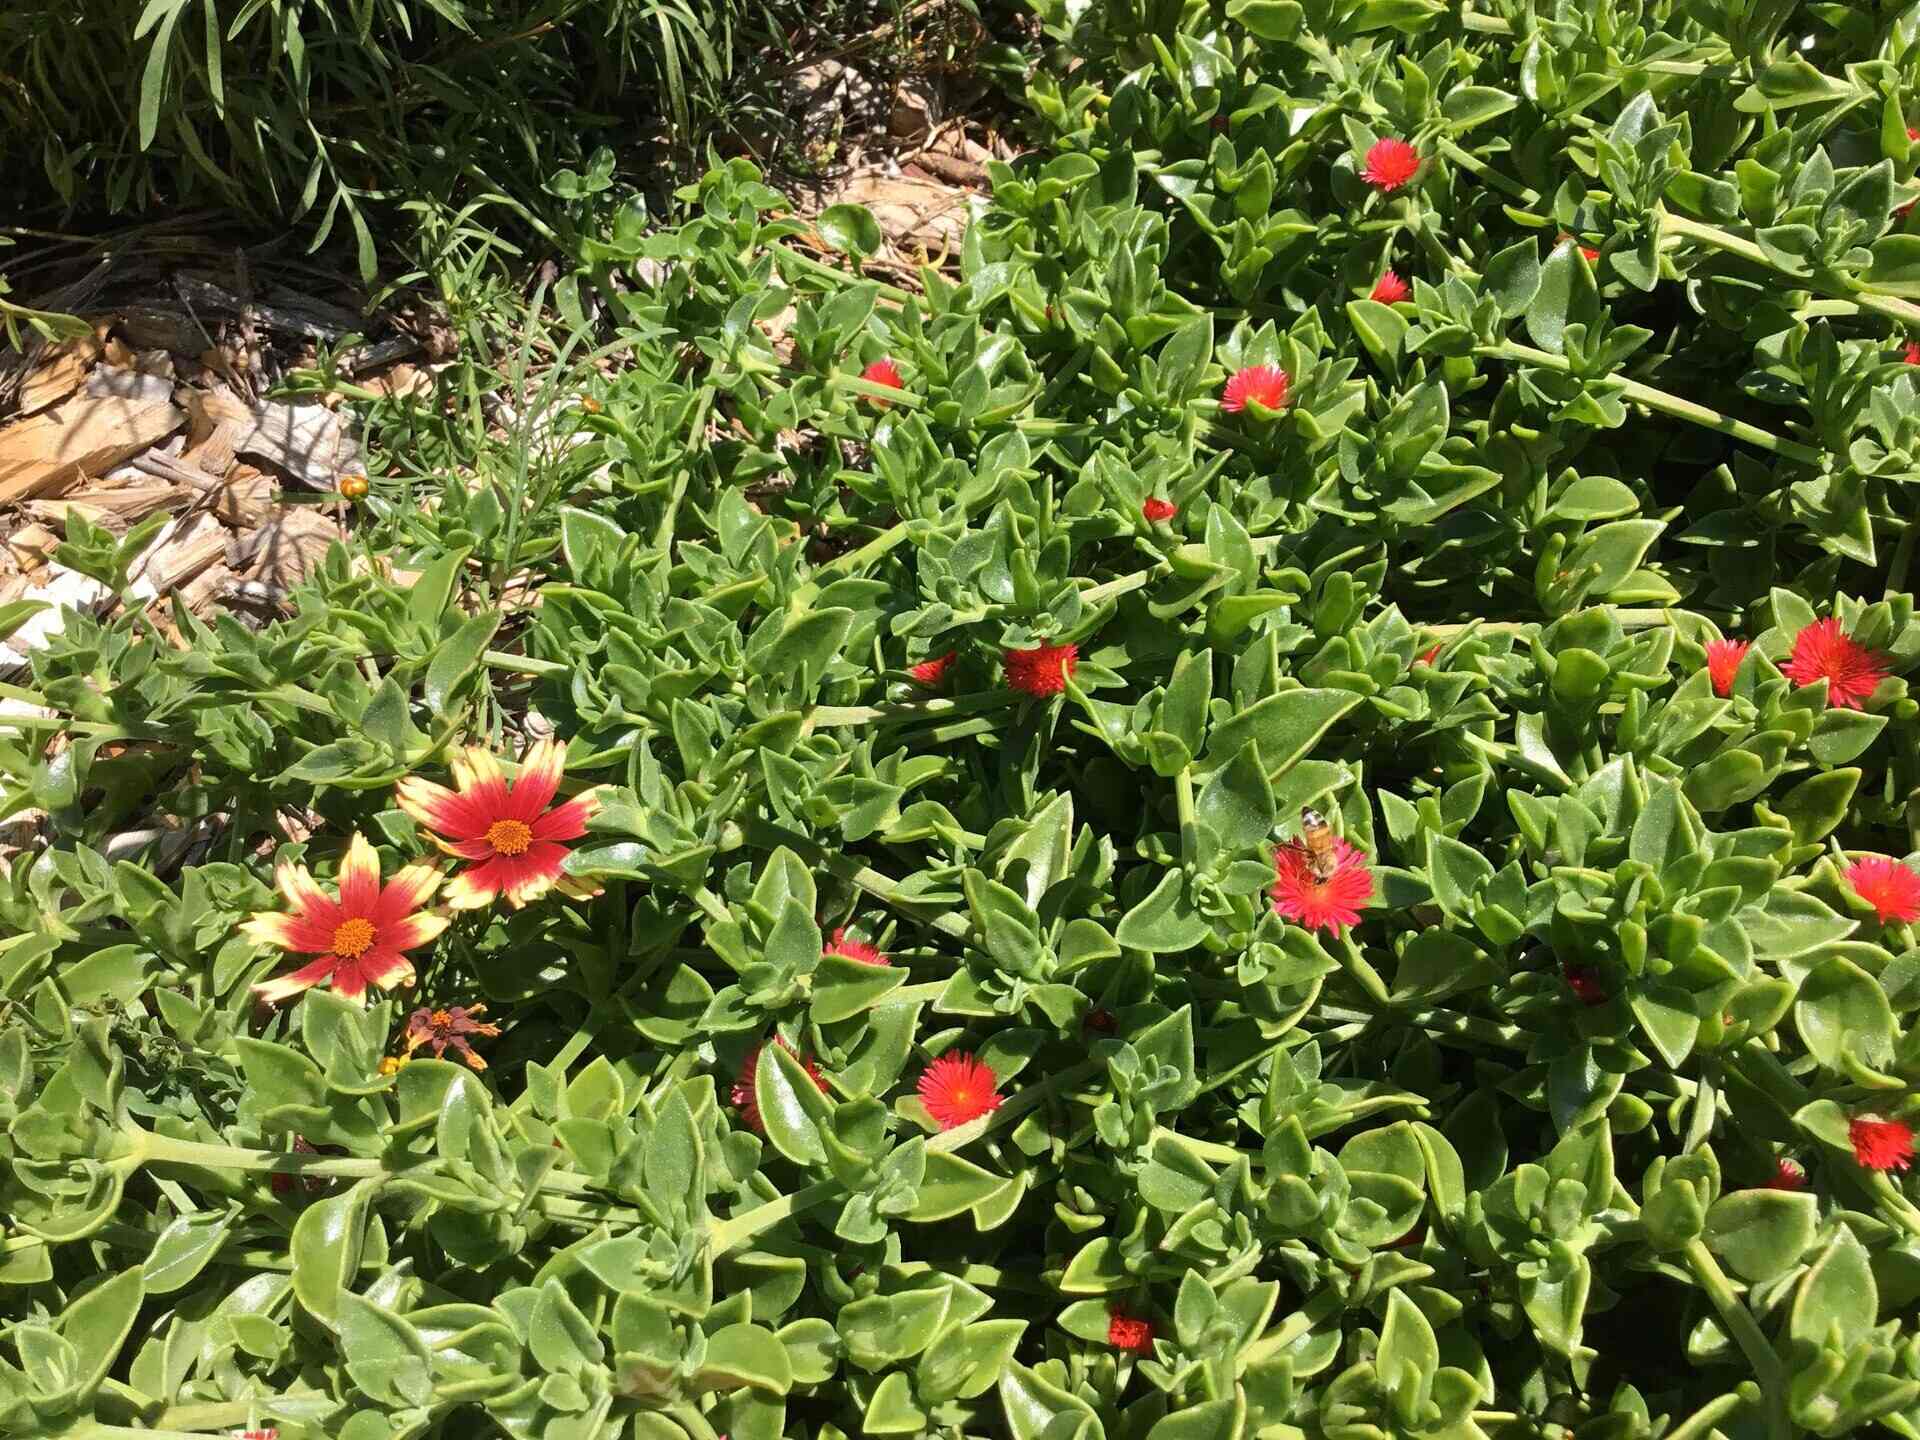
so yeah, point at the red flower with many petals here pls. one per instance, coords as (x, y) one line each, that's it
(1267, 384)
(1043, 670)
(1723, 659)
(1911, 354)
(359, 937)
(957, 1088)
(1128, 1332)
(1787, 1175)
(1431, 654)
(1822, 651)
(1307, 900)
(1584, 982)
(1881, 1144)
(1390, 164)
(850, 949)
(1155, 509)
(1592, 255)
(1390, 289)
(1892, 889)
(932, 672)
(881, 372)
(514, 835)
(746, 1099)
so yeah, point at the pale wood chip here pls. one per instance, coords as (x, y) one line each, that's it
(116, 415)
(58, 374)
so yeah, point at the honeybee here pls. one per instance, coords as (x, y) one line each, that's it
(1323, 858)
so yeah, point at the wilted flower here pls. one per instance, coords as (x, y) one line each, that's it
(1891, 888)
(746, 1099)
(1101, 1021)
(957, 1088)
(281, 1182)
(513, 834)
(1129, 1332)
(1390, 164)
(932, 672)
(1584, 982)
(1390, 289)
(442, 1029)
(1822, 651)
(1154, 509)
(1329, 904)
(392, 1064)
(1723, 659)
(359, 937)
(849, 948)
(1787, 1175)
(1881, 1144)
(1043, 670)
(1267, 384)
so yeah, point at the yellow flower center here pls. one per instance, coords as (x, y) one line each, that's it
(509, 837)
(353, 938)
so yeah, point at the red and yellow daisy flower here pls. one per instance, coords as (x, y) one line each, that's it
(1043, 670)
(958, 1088)
(442, 1030)
(513, 834)
(1265, 385)
(1881, 1144)
(360, 937)
(1391, 163)
(1823, 651)
(1891, 888)
(1723, 660)
(1390, 289)
(1312, 903)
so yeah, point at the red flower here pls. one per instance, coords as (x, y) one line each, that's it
(853, 949)
(1412, 1238)
(1911, 354)
(1101, 1021)
(1881, 1144)
(1331, 904)
(281, 1182)
(444, 1029)
(1892, 889)
(359, 937)
(1391, 163)
(1913, 134)
(1723, 658)
(514, 835)
(1390, 289)
(1593, 255)
(256, 1435)
(1125, 1332)
(1822, 652)
(1267, 384)
(881, 372)
(746, 1099)
(957, 1088)
(932, 672)
(1584, 982)
(1155, 509)
(1787, 1175)
(1429, 656)
(1043, 670)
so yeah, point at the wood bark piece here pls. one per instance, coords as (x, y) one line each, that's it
(285, 550)
(116, 415)
(58, 374)
(309, 442)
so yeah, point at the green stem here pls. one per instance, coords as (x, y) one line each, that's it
(1189, 825)
(814, 267)
(1866, 297)
(1740, 1323)
(525, 664)
(1667, 404)
(825, 716)
(1321, 1307)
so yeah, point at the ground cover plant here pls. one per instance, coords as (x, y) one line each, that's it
(1282, 810)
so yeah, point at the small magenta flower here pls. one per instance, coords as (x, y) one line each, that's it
(958, 1088)
(932, 672)
(1880, 1144)
(1043, 670)
(881, 372)
(1130, 1333)
(746, 1099)
(1390, 289)
(1892, 889)
(1314, 902)
(1723, 659)
(1822, 651)
(1787, 1175)
(1391, 163)
(1266, 385)
(848, 948)
(1155, 509)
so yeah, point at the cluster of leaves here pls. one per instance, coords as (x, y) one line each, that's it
(1615, 1068)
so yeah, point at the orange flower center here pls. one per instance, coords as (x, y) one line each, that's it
(353, 938)
(509, 837)
(440, 1019)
